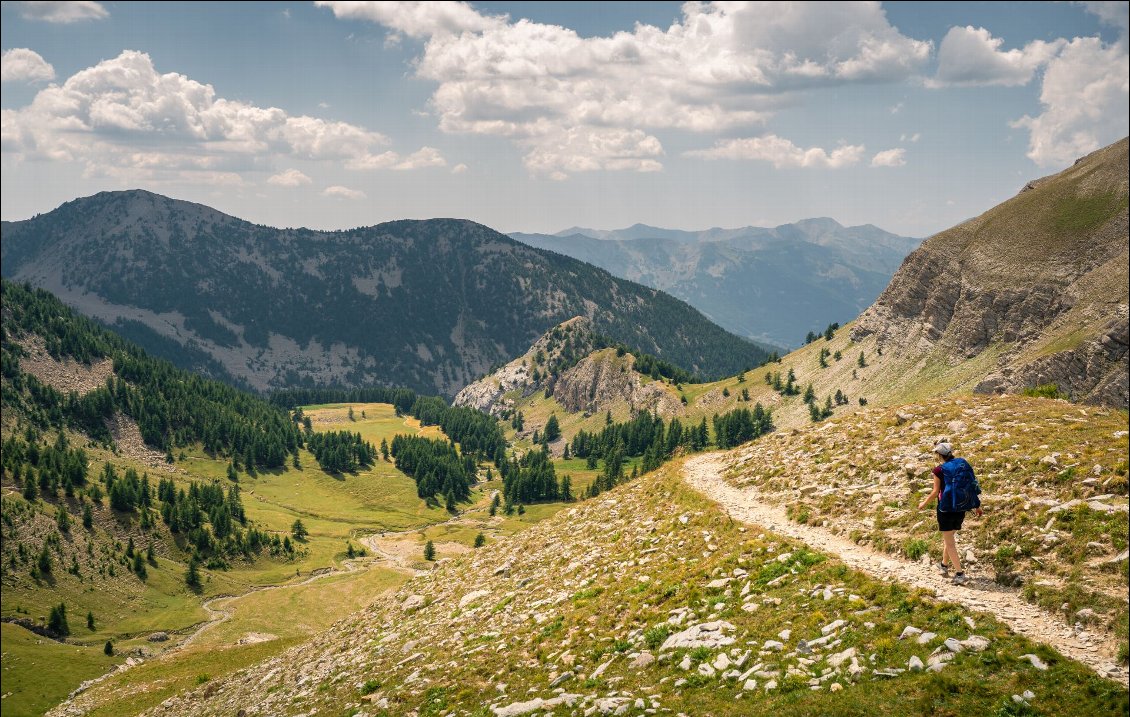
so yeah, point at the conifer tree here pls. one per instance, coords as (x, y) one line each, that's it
(429, 551)
(480, 540)
(90, 620)
(57, 620)
(108, 650)
(192, 575)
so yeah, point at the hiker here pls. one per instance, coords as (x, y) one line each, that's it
(955, 487)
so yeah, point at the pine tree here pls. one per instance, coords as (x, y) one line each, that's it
(139, 566)
(384, 449)
(57, 620)
(90, 620)
(62, 520)
(31, 491)
(232, 475)
(108, 649)
(429, 551)
(44, 563)
(552, 429)
(480, 540)
(192, 575)
(862, 361)
(87, 517)
(150, 557)
(809, 394)
(298, 529)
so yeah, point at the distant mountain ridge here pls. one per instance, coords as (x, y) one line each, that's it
(769, 284)
(428, 304)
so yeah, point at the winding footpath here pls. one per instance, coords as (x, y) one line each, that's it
(705, 472)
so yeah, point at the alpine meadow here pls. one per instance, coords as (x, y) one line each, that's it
(510, 359)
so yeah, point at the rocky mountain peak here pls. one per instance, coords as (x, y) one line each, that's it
(1040, 279)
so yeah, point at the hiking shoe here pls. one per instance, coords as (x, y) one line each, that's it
(943, 569)
(960, 579)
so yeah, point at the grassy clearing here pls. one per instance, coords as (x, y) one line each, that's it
(38, 673)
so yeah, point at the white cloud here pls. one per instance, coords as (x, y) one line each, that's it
(459, 168)
(1115, 14)
(122, 113)
(972, 56)
(889, 158)
(62, 12)
(719, 67)
(339, 192)
(897, 107)
(1085, 97)
(910, 137)
(415, 19)
(20, 64)
(782, 153)
(421, 158)
(289, 178)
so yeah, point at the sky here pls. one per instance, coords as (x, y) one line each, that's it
(541, 116)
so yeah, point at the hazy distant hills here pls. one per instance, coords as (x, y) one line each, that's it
(426, 304)
(770, 284)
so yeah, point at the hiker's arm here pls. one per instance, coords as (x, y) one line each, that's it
(933, 493)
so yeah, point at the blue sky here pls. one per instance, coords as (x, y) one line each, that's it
(541, 116)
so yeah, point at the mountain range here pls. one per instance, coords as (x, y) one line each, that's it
(426, 304)
(769, 284)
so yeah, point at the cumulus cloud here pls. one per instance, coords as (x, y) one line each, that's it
(782, 153)
(23, 65)
(719, 67)
(972, 56)
(122, 113)
(889, 158)
(339, 192)
(289, 178)
(62, 12)
(459, 168)
(1085, 97)
(1115, 13)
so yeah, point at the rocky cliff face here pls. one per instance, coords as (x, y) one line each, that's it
(603, 379)
(1041, 279)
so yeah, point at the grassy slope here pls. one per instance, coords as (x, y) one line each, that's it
(599, 583)
(336, 509)
(865, 473)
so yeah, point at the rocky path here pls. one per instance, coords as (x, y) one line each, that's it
(705, 474)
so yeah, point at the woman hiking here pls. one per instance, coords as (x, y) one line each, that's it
(956, 489)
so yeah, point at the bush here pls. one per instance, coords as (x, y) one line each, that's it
(915, 549)
(1044, 390)
(57, 621)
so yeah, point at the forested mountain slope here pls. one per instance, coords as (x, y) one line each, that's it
(425, 304)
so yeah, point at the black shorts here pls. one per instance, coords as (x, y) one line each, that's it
(948, 521)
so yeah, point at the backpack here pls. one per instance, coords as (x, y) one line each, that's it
(961, 491)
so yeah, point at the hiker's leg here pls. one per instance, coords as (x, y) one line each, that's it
(948, 539)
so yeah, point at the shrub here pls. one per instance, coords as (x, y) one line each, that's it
(915, 548)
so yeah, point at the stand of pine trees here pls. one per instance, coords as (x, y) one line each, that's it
(436, 466)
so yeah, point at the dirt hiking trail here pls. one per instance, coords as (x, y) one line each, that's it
(704, 473)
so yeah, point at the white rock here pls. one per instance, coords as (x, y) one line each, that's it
(909, 631)
(832, 627)
(749, 685)
(1035, 661)
(472, 597)
(600, 670)
(412, 602)
(925, 637)
(975, 643)
(770, 685)
(721, 662)
(642, 660)
(785, 634)
(773, 645)
(707, 634)
(519, 708)
(835, 687)
(706, 670)
(953, 644)
(915, 664)
(839, 658)
(686, 664)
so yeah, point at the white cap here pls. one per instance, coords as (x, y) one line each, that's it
(943, 449)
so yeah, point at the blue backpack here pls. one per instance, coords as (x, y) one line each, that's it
(961, 491)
